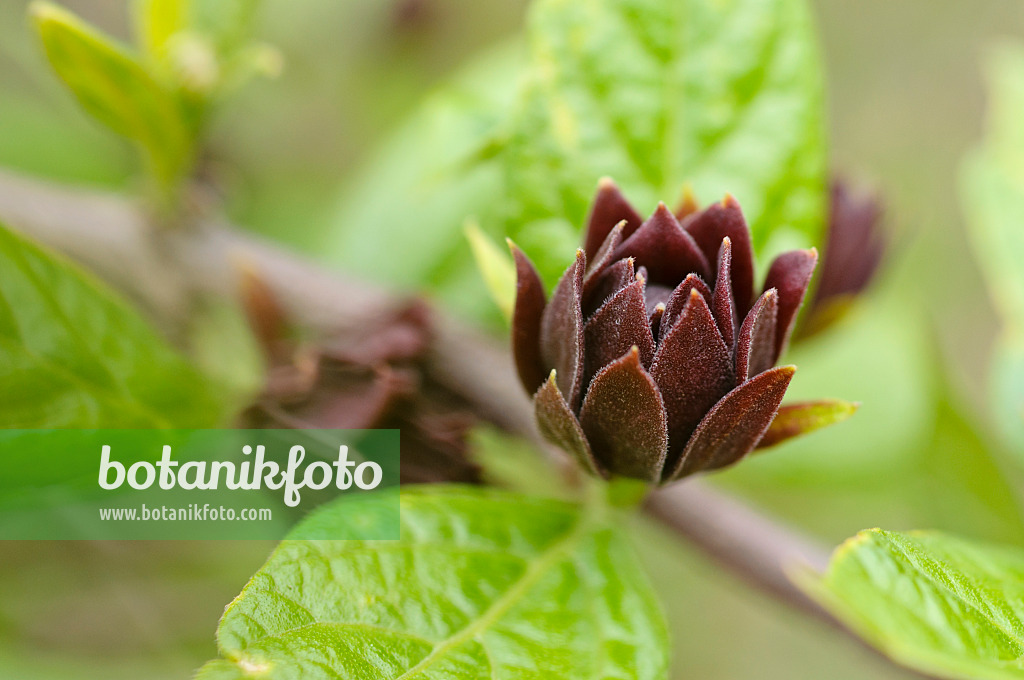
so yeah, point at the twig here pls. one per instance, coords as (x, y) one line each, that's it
(164, 271)
(746, 542)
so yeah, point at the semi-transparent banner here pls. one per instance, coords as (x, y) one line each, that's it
(192, 484)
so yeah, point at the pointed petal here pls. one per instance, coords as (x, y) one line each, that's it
(735, 424)
(624, 419)
(722, 304)
(709, 227)
(796, 419)
(609, 208)
(526, 318)
(602, 259)
(854, 244)
(661, 245)
(559, 426)
(620, 324)
(693, 369)
(790, 274)
(755, 346)
(561, 331)
(614, 278)
(678, 300)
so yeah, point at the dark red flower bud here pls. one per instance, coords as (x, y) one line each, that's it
(854, 248)
(653, 358)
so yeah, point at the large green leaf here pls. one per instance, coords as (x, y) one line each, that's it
(112, 84)
(483, 584)
(402, 218)
(726, 96)
(74, 355)
(940, 604)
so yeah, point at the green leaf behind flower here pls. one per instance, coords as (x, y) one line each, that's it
(483, 584)
(725, 96)
(73, 355)
(939, 604)
(112, 84)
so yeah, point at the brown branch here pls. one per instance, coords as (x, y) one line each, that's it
(165, 271)
(746, 542)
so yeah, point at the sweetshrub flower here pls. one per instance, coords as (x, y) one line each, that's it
(854, 247)
(654, 359)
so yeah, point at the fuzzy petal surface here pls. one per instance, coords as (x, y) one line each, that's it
(526, 319)
(668, 252)
(755, 346)
(693, 368)
(618, 325)
(790, 274)
(722, 304)
(561, 331)
(709, 227)
(623, 417)
(678, 300)
(559, 425)
(733, 427)
(609, 208)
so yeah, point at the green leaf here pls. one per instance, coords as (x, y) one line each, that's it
(483, 584)
(943, 605)
(72, 355)
(156, 22)
(794, 420)
(725, 96)
(495, 266)
(223, 347)
(227, 22)
(437, 170)
(113, 86)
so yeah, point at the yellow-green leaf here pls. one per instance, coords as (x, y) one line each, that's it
(156, 22)
(949, 607)
(113, 86)
(496, 268)
(482, 584)
(74, 355)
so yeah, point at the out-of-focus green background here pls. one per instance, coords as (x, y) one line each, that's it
(906, 102)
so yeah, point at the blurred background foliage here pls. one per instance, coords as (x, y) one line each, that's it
(906, 101)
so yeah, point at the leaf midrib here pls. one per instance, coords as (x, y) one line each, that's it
(553, 555)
